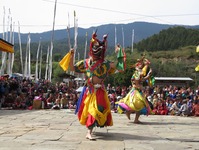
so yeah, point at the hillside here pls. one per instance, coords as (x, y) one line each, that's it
(170, 39)
(171, 49)
(174, 63)
(142, 30)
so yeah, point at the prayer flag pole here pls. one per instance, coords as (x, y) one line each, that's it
(4, 54)
(40, 63)
(51, 45)
(132, 40)
(47, 59)
(115, 36)
(20, 49)
(37, 57)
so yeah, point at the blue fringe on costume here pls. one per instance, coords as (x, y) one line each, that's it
(80, 99)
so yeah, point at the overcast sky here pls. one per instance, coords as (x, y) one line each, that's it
(37, 15)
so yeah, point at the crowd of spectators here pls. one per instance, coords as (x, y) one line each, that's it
(166, 100)
(30, 94)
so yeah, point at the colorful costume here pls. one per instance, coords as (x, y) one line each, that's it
(147, 72)
(93, 105)
(93, 108)
(135, 100)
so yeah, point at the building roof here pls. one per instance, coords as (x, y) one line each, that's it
(6, 46)
(174, 78)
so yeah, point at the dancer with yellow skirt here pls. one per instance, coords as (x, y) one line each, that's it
(135, 101)
(93, 107)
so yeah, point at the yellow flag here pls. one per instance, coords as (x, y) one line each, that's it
(64, 63)
(197, 68)
(197, 49)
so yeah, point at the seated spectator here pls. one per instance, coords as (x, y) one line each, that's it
(190, 106)
(160, 108)
(50, 101)
(8, 101)
(57, 103)
(71, 105)
(64, 101)
(170, 103)
(20, 102)
(154, 97)
(183, 111)
(174, 110)
(58, 99)
(2, 99)
(195, 110)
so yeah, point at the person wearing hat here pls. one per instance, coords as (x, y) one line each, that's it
(93, 106)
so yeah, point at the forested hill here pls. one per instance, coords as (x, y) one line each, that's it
(142, 30)
(167, 39)
(170, 39)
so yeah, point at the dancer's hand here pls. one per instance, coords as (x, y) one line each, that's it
(72, 51)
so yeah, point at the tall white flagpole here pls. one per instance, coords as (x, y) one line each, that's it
(85, 49)
(132, 40)
(75, 34)
(75, 37)
(68, 30)
(37, 57)
(4, 14)
(20, 49)
(47, 66)
(115, 36)
(26, 61)
(122, 37)
(26, 69)
(29, 57)
(12, 54)
(4, 54)
(8, 23)
(9, 54)
(40, 63)
(51, 45)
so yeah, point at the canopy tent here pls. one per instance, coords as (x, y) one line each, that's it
(6, 46)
